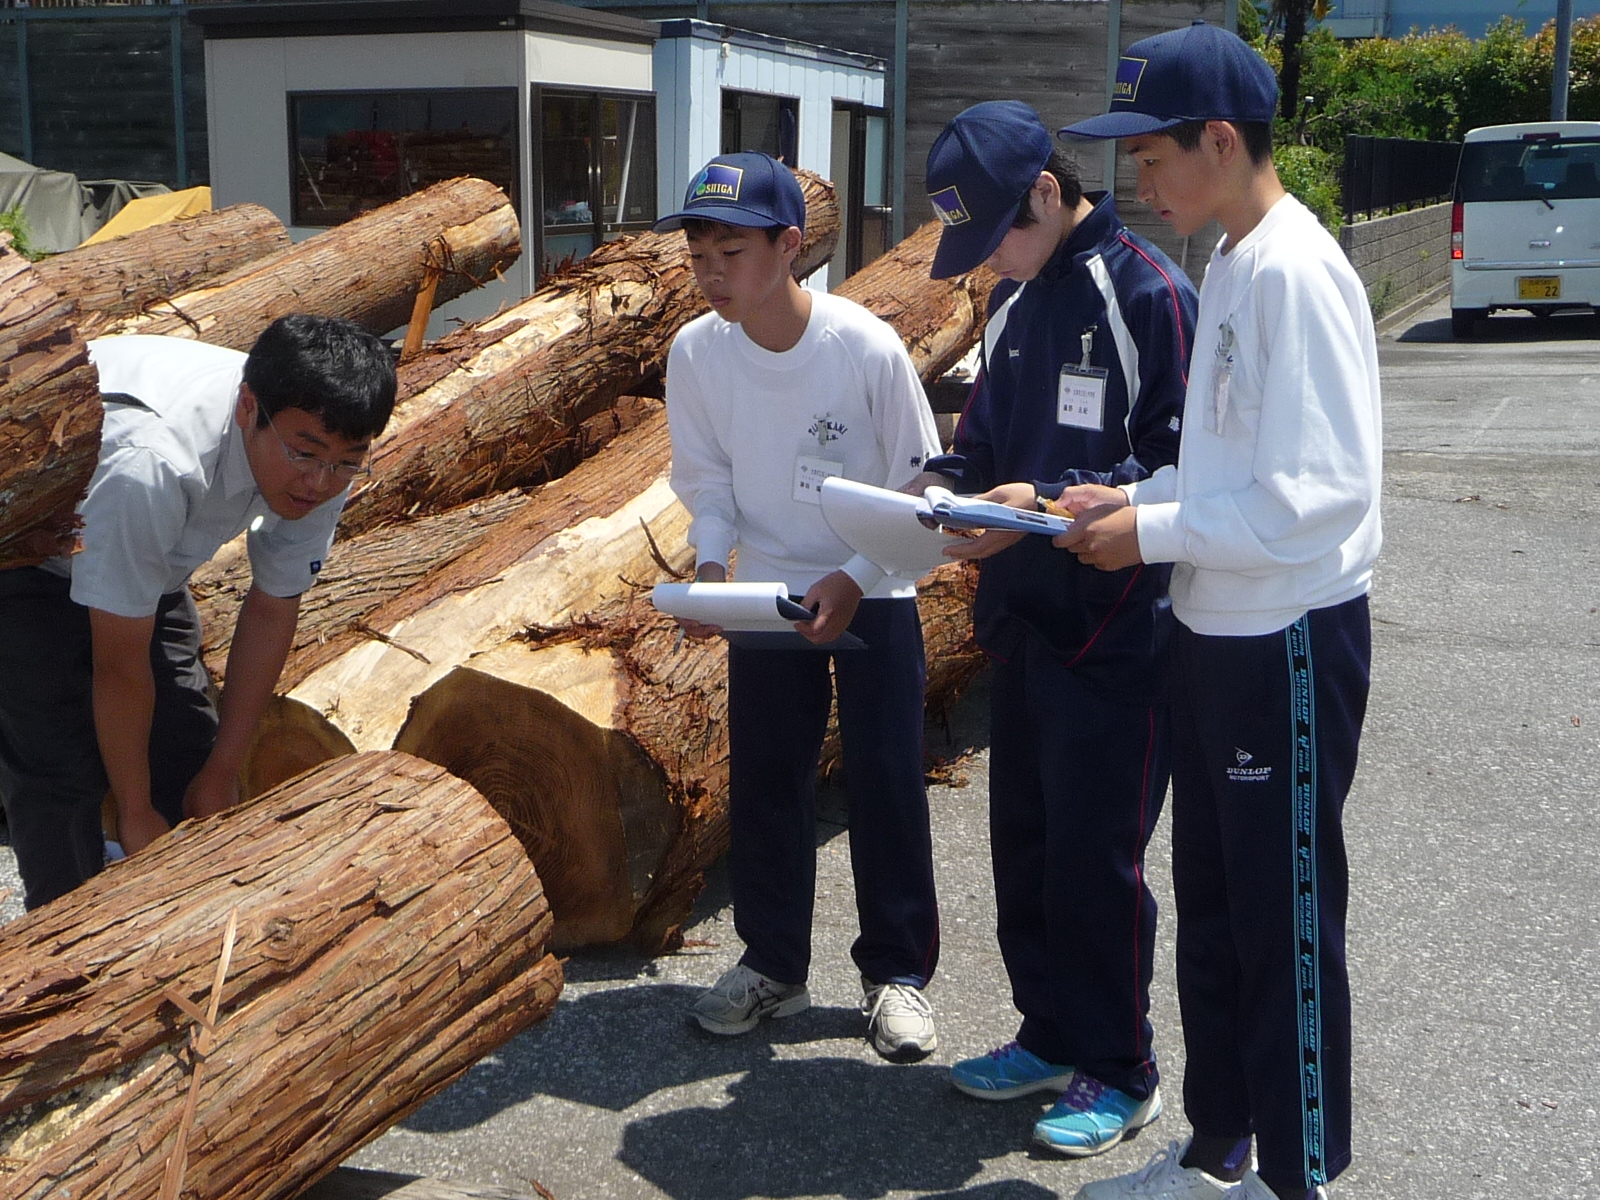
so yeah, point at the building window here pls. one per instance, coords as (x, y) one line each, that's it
(354, 151)
(756, 121)
(596, 170)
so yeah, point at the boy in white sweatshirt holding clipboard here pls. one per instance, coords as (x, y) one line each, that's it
(768, 395)
(1271, 521)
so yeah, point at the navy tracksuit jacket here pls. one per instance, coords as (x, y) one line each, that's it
(1079, 735)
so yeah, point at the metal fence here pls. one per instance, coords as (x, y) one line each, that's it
(1387, 173)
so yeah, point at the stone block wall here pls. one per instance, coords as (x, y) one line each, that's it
(1400, 256)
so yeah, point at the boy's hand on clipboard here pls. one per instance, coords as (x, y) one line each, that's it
(991, 541)
(706, 572)
(834, 598)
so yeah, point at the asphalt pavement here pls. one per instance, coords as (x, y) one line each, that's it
(1474, 934)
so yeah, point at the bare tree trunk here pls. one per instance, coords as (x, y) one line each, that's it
(49, 417)
(389, 931)
(121, 277)
(368, 269)
(482, 408)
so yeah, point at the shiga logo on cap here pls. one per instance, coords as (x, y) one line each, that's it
(947, 204)
(1129, 72)
(717, 182)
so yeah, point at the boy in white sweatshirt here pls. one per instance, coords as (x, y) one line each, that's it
(1271, 521)
(767, 395)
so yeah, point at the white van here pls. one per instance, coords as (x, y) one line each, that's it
(1525, 228)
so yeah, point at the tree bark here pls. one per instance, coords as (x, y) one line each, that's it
(605, 747)
(390, 932)
(402, 609)
(397, 608)
(938, 319)
(120, 278)
(368, 269)
(481, 409)
(49, 417)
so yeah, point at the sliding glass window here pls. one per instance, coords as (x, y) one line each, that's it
(354, 151)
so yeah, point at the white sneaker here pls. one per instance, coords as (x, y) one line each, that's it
(899, 1021)
(1163, 1178)
(738, 1001)
(1253, 1187)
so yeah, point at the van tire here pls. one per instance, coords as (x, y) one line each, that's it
(1464, 320)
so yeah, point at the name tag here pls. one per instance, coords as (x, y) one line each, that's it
(1081, 398)
(808, 476)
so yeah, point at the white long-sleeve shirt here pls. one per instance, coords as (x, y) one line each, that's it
(755, 432)
(1273, 509)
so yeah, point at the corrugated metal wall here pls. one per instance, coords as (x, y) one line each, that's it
(104, 96)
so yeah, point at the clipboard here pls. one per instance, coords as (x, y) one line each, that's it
(753, 615)
(959, 512)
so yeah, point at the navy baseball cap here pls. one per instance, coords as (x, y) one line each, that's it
(748, 189)
(979, 171)
(1199, 73)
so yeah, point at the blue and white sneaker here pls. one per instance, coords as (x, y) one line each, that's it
(1007, 1073)
(1091, 1117)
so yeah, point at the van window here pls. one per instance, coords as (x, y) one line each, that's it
(1568, 169)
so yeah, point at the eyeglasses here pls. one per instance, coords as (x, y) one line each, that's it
(307, 463)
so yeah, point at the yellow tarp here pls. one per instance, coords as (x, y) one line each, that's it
(153, 210)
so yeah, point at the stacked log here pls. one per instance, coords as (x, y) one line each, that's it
(49, 417)
(120, 278)
(482, 409)
(604, 743)
(461, 232)
(605, 746)
(341, 951)
(607, 756)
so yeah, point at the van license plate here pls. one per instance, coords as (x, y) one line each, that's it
(1538, 287)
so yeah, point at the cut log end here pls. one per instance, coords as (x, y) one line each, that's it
(534, 735)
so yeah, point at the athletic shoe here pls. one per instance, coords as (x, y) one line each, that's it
(1008, 1072)
(1164, 1177)
(737, 1002)
(1253, 1187)
(1091, 1117)
(899, 1021)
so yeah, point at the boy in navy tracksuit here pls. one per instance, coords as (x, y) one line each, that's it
(1271, 522)
(1082, 381)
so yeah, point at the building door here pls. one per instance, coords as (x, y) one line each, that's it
(860, 169)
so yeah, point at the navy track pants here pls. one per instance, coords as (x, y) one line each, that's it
(1076, 783)
(1265, 736)
(51, 777)
(778, 703)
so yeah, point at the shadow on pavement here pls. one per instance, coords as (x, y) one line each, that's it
(1512, 327)
(830, 1127)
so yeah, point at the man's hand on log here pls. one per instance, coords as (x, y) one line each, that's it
(834, 598)
(210, 792)
(138, 826)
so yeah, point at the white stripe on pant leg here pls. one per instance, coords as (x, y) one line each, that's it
(1308, 950)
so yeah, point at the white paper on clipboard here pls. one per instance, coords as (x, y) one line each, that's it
(883, 527)
(749, 607)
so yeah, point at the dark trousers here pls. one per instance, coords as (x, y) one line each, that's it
(51, 777)
(1076, 783)
(1265, 733)
(778, 704)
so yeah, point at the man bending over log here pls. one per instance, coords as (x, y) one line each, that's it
(101, 682)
